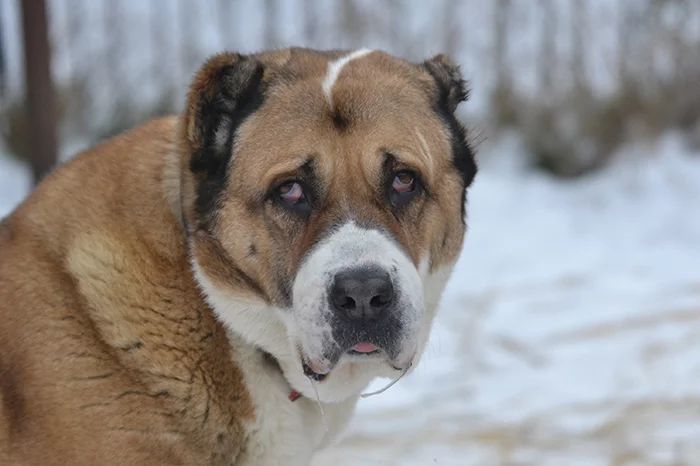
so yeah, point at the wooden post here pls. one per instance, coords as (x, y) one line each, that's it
(3, 83)
(41, 100)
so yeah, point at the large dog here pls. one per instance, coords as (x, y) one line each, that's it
(219, 287)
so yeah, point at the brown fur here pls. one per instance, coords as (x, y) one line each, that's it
(108, 353)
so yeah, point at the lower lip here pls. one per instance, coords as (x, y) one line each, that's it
(364, 348)
(313, 375)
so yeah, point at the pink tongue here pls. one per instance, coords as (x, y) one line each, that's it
(364, 347)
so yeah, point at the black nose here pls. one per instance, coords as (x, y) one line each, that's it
(361, 293)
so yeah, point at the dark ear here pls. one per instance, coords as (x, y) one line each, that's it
(452, 90)
(226, 90)
(452, 87)
(223, 93)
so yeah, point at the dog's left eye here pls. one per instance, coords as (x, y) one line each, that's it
(292, 196)
(291, 192)
(403, 188)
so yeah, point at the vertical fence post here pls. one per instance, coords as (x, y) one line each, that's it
(3, 83)
(41, 103)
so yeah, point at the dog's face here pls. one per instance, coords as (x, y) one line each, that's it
(324, 194)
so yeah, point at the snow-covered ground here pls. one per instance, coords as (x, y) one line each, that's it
(569, 333)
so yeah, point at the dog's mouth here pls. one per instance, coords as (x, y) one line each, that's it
(313, 375)
(364, 348)
(359, 352)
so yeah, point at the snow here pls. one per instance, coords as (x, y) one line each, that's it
(567, 333)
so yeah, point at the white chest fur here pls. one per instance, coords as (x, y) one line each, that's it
(285, 432)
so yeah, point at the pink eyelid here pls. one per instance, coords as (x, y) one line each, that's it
(403, 187)
(294, 194)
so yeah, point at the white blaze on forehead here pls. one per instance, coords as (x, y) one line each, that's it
(334, 69)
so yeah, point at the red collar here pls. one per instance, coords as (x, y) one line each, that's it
(293, 395)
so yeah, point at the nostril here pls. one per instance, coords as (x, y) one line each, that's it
(346, 303)
(383, 293)
(380, 301)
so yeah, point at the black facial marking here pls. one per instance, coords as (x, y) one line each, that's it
(252, 250)
(462, 154)
(132, 346)
(339, 121)
(451, 93)
(238, 93)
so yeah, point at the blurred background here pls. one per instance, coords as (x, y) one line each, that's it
(568, 334)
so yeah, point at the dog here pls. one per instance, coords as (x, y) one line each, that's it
(218, 287)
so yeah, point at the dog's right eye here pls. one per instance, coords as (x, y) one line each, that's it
(292, 196)
(404, 187)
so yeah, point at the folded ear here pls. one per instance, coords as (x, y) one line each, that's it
(452, 90)
(223, 93)
(451, 85)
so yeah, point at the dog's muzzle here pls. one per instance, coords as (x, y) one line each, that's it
(364, 304)
(357, 297)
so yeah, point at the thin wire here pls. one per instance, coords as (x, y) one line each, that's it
(320, 406)
(382, 390)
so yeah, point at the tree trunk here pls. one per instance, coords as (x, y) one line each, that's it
(579, 24)
(501, 16)
(3, 82)
(41, 100)
(548, 60)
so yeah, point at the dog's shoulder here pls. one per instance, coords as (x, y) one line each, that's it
(96, 300)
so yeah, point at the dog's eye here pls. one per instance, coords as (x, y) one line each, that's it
(403, 187)
(291, 192)
(292, 196)
(404, 182)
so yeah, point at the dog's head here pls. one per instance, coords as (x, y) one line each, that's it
(324, 198)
